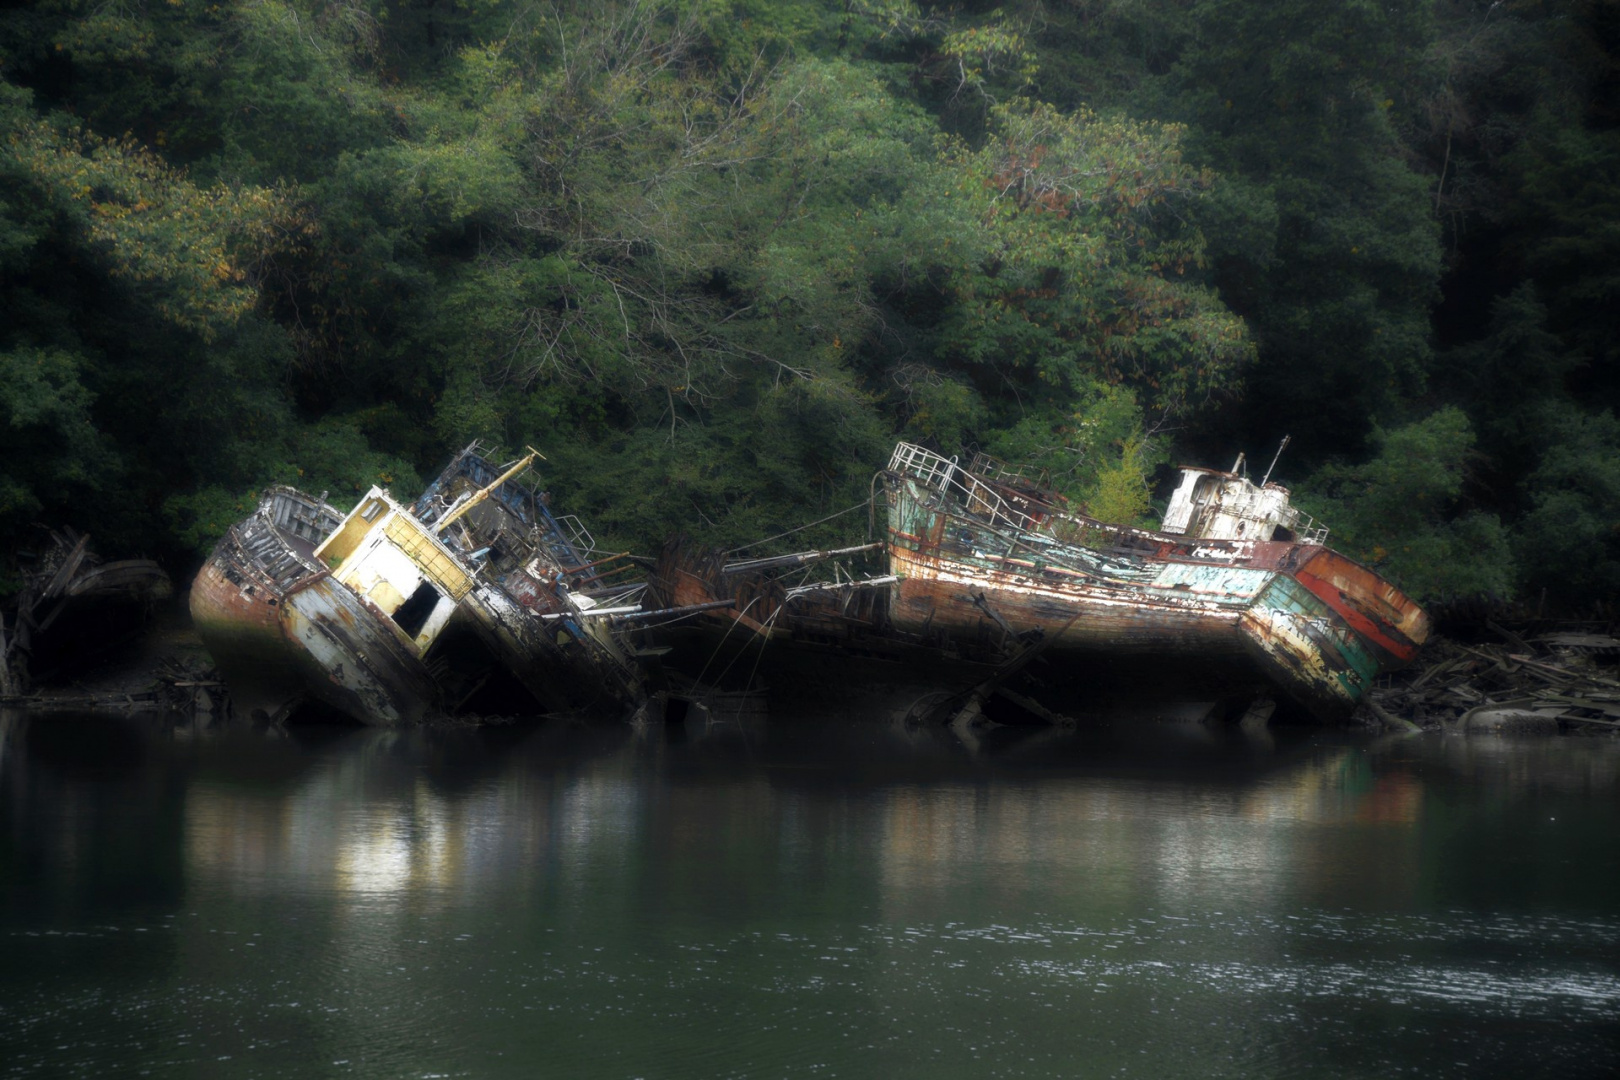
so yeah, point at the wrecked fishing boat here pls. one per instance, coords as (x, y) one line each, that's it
(804, 625)
(989, 570)
(1234, 571)
(549, 608)
(285, 630)
(73, 605)
(392, 614)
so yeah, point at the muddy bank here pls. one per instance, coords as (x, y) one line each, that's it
(1542, 680)
(162, 668)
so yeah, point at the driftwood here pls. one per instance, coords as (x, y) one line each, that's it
(1563, 680)
(173, 687)
(90, 603)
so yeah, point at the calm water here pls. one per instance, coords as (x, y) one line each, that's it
(796, 900)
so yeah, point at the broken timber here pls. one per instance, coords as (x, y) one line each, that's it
(1532, 683)
(73, 605)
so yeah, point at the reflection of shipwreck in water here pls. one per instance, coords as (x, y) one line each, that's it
(988, 569)
(392, 615)
(72, 605)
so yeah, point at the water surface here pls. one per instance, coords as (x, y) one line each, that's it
(805, 899)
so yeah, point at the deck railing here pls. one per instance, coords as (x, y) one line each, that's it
(946, 478)
(1307, 531)
(1003, 472)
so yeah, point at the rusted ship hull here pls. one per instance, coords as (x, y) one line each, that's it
(978, 560)
(968, 577)
(523, 604)
(561, 663)
(282, 631)
(970, 602)
(1325, 631)
(828, 648)
(996, 588)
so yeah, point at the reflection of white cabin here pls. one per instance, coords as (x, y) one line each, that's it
(1214, 505)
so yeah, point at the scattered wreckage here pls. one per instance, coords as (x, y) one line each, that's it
(989, 570)
(392, 614)
(73, 604)
(1557, 679)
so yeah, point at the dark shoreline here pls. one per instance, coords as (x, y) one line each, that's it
(1548, 681)
(1554, 678)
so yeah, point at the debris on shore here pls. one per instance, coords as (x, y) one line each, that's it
(175, 687)
(1523, 682)
(72, 605)
(162, 669)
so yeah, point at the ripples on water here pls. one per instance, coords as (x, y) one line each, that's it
(845, 899)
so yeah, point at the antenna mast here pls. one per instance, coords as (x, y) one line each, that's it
(1280, 447)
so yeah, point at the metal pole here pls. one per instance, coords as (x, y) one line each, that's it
(1274, 459)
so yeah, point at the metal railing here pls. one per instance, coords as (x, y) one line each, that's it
(577, 536)
(950, 481)
(1307, 531)
(946, 478)
(1005, 473)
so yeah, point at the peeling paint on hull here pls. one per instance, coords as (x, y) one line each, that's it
(938, 594)
(1388, 621)
(354, 659)
(281, 630)
(1314, 623)
(946, 559)
(1305, 647)
(560, 663)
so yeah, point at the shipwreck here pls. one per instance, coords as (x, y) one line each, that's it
(1234, 571)
(393, 615)
(538, 594)
(986, 570)
(72, 605)
(285, 632)
(979, 580)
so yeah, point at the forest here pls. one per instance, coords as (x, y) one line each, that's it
(713, 257)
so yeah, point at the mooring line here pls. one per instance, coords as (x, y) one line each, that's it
(800, 529)
(735, 619)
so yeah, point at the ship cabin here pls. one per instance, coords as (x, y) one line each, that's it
(1209, 504)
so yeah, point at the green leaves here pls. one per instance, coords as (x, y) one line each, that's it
(192, 251)
(1074, 268)
(1569, 542)
(1400, 512)
(50, 453)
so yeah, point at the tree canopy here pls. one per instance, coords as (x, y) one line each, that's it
(714, 256)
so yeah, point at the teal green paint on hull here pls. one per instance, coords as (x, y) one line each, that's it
(1224, 584)
(1213, 579)
(1342, 650)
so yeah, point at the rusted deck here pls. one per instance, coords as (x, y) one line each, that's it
(977, 556)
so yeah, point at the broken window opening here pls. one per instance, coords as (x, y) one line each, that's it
(413, 614)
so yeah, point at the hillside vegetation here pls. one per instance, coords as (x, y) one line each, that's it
(712, 257)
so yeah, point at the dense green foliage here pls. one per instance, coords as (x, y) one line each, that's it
(713, 256)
